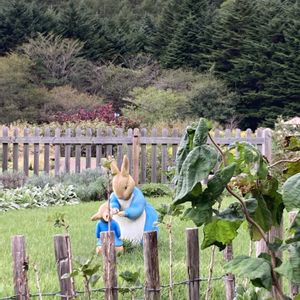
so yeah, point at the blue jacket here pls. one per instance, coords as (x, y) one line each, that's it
(136, 208)
(102, 226)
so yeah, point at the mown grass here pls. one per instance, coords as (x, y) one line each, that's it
(39, 234)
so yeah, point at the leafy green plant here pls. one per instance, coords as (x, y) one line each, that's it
(155, 190)
(88, 270)
(245, 174)
(59, 221)
(31, 196)
(12, 179)
(130, 279)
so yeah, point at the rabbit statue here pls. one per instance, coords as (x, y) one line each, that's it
(104, 217)
(129, 207)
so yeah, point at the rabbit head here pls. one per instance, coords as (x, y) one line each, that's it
(102, 213)
(122, 183)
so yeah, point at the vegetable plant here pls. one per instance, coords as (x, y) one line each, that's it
(241, 171)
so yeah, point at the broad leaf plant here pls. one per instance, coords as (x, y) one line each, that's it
(241, 171)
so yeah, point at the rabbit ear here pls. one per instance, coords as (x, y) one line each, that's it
(125, 166)
(114, 168)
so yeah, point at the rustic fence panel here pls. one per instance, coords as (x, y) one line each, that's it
(150, 153)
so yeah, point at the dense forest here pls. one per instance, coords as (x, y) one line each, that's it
(233, 61)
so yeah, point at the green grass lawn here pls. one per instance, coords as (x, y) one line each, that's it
(39, 232)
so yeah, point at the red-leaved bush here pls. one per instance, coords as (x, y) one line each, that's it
(104, 113)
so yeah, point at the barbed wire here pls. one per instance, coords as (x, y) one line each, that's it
(123, 289)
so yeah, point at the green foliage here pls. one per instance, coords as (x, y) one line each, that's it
(260, 202)
(31, 196)
(19, 98)
(89, 185)
(258, 270)
(155, 190)
(291, 192)
(12, 180)
(152, 105)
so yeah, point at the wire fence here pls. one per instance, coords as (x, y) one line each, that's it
(121, 289)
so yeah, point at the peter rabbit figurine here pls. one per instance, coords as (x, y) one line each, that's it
(129, 206)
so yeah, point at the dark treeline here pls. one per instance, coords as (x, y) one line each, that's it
(254, 46)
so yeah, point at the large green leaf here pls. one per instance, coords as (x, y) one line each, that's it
(182, 152)
(199, 214)
(262, 216)
(295, 229)
(291, 193)
(291, 268)
(197, 166)
(201, 133)
(220, 232)
(258, 270)
(217, 184)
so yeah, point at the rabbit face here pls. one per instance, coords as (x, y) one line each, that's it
(122, 183)
(103, 213)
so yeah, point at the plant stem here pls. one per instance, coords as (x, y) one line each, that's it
(169, 228)
(284, 161)
(210, 274)
(87, 287)
(37, 279)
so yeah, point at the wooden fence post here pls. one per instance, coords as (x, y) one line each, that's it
(4, 150)
(229, 278)
(36, 152)
(151, 266)
(294, 288)
(136, 154)
(20, 267)
(109, 265)
(192, 243)
(63, 256)
(16, 151)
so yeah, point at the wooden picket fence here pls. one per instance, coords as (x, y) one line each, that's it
(150, 153)
(63, 257)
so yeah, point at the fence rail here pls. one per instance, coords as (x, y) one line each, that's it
(150, 153)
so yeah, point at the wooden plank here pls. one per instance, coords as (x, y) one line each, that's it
(267, 145)
(16, 151)
(36, 153)
(109, 134)
(78, 152)
(151, 266)
(62, 247)
(4, 149)
(164, 157)
(47, 153)
(248, 134)
(20, 268)
(143, 157)
(154, 158)
(99, 147)
(258, 134)
(174, 146)
(229, 278)
(109, 265)
(193, 261)
(68, 133)
(136, 155)
(26, 154)
(57, 154)
(119, 132)
(88, 150)
(129, 149)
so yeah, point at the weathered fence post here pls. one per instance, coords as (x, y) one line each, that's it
(57, 153)
(36, 151)
(192, 243)
(62, 248)
(109, 265)
(26, 153)
(15, 150)
(20, 267)
(4, 150)
(136, 154)
(151, 266)
(294, 288)
(229, 278)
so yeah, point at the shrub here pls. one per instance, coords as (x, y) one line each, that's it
(32, 196)
(12, 180)
(41, 180)
(151, 105)
(155, 190)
